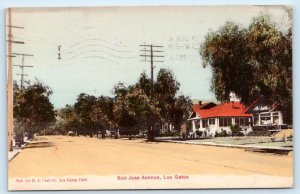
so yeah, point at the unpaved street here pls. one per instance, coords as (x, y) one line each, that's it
(64, 155)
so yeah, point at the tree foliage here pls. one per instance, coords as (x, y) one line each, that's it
(32, 108)
(250, 61)
(133, 108)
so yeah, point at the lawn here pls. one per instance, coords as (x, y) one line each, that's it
(258, 140)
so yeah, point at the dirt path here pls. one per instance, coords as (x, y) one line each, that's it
(63, 156)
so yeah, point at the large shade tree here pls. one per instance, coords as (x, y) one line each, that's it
(33, 111)
(251, 61)
(145, 103)
(67, 120)
(83, 108)
(102, 114)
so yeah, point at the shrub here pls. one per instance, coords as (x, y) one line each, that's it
(236, 130)
(259, 133)
(222, 133)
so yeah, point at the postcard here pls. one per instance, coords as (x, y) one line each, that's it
(149, 97)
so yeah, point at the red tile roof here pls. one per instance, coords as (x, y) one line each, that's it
(228, 109)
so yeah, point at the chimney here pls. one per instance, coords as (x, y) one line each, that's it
(200, 103)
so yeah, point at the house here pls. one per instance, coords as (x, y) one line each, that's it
(266, 114)
(209, 118)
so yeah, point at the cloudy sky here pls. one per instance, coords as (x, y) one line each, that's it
(99, 46)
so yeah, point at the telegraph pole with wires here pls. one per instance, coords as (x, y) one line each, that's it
(10, 41)
(22, 66)
(149, 51)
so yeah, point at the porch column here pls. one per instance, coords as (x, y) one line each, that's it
(200, 121)
(194, 125)
(271, 114)
(280, 118)
(232, 121)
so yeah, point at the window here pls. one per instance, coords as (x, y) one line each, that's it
(247, 121)
(197, 124)
(225, 121)
(204, 123)
(212, 121)
(265, 118)
(265, 115)
(255, 120)
(242, 121)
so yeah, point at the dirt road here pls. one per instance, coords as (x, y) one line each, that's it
(63, 156)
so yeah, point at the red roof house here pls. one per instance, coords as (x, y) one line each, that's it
(209, 118)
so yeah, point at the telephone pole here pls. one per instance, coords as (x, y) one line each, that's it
(149, 50)
(22, 66)
(9, 79)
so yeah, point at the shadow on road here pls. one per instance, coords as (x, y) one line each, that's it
(39, 145)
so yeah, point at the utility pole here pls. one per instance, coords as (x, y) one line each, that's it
(22, 66)
(148, 52)
(9, 79)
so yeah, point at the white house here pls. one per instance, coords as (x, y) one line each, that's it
(265, 114)
(209, 118)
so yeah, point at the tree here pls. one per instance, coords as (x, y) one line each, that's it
(165, 89)
(124, 116)
(181, 111)
(225, 51)
(83, 108)
(32, 109)
(102, 113)
(134, 108)
(67, 120)
(145, 84)
(251, 62)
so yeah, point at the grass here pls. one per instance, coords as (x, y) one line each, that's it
(261, 141)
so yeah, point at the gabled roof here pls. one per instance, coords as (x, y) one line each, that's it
(228, 109)
(262, 102)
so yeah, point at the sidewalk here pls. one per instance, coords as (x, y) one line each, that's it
(16, 151)
(250, 146)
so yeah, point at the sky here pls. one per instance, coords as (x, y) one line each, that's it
(99, 46)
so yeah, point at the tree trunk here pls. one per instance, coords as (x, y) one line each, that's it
(129, 134)
(150, 134)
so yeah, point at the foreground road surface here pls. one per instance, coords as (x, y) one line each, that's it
(63, 156)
